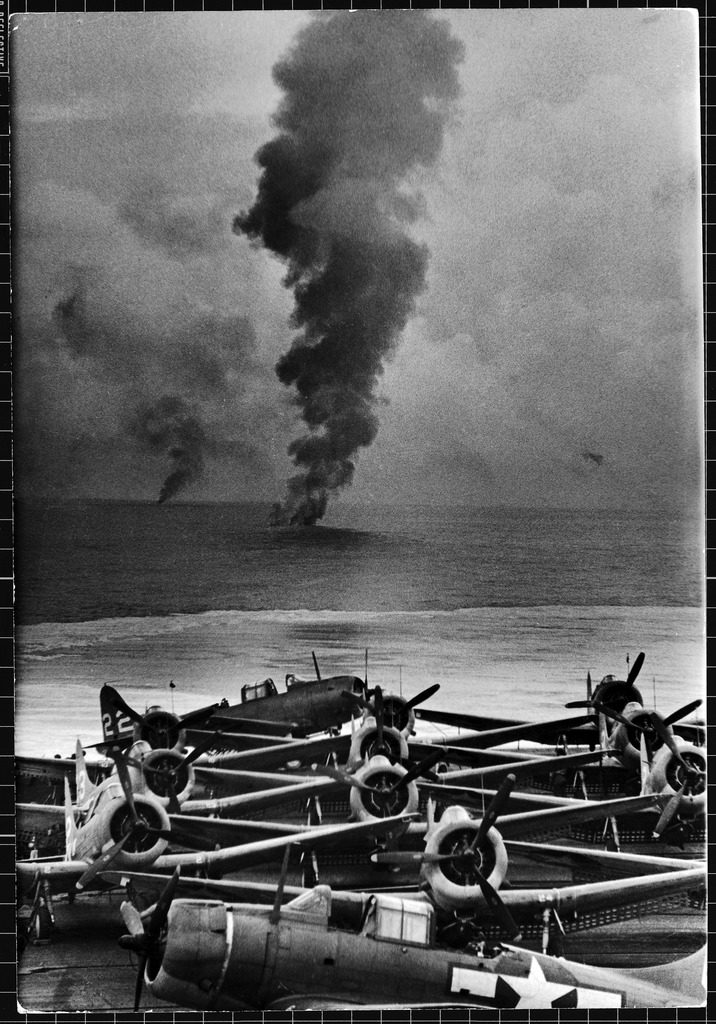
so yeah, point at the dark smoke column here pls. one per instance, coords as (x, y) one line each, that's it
(171, 427)
(365, 102)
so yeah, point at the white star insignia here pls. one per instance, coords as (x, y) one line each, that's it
(534, 990)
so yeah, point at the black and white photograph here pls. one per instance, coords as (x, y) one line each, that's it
(358, 510)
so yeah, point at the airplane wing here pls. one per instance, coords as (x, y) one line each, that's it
(243, 803)
(226, 831)
(336, 1002)
(521, 768)
(574, 730)
(54, 769)
(228, 890)
(236, 782)
(593, 861)
(36, 817)
(273, 756)
(230, 723)
(61, 875)
(327, 836)
(541, 732)
(233, 741)
(573, 900)
(478, 799)
(549, 819)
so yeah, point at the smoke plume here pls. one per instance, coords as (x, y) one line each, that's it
(365, 103)
(171, 426)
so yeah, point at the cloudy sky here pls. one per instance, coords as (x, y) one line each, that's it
(525, 186)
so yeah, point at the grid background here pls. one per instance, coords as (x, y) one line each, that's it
(8, 1003)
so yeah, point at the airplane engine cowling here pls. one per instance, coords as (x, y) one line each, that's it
(668, 775)
(616, 694)
(383, 776)
(453, 884)
(397, 714)
(627, 740)
(211, 957)
(160, 728)
(159, 784)
(142, 848)
(365, 744)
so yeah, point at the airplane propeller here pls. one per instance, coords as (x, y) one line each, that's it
(650, 723)
(170, 775)
(387, 789)
(397, 712)
(145, 942)
(138, 829)
(468, 859)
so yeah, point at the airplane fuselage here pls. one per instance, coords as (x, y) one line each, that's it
(310, 706)
(250, 958)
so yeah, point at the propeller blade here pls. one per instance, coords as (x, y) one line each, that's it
(101, 863)
(340, 775)
(636, 668)
(161, 910)
(498, 908)
(141, 967)
(123, 775)
(198, 751)
(616, 716)
(675, 716)
(644, 762)
(423, 695)
(580, 703)
(419, 769)
(132, 918)
(378, 701)
(589, 687)
(493, 810)
(105, 747)
(669, 812)
(665, 734)
(142, 941)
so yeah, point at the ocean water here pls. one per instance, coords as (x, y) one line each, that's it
(506, 608)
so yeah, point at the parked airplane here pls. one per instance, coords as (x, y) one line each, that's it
(121, 828)
(331, 950)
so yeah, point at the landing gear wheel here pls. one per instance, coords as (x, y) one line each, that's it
(42, 927)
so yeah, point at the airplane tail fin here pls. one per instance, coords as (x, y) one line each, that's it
(113, 714)
(70, 826)
(687, 975)
(85, 788)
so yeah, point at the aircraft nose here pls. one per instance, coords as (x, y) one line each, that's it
(190, 970)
